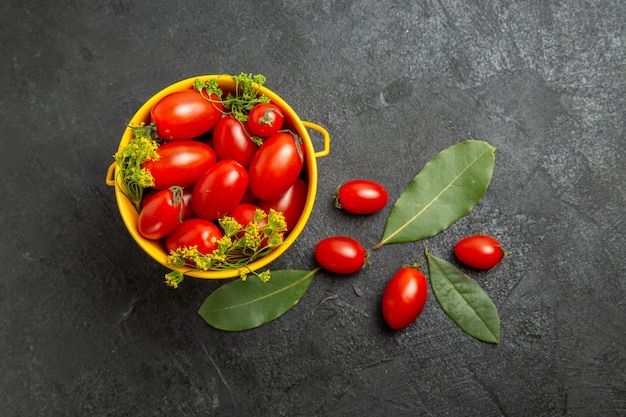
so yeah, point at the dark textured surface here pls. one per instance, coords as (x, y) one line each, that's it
(87, 326)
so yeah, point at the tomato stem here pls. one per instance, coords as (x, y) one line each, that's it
(177, 200)
(415, 265)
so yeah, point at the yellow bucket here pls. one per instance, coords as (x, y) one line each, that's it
(156, 249)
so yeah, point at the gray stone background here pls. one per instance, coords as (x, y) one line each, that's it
(87, 327)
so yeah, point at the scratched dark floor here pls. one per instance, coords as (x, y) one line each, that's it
(87, 327)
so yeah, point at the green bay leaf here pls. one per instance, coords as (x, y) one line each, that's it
(242, 305)
(463, 300)
(445, 190)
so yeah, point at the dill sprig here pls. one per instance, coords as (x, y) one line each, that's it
(238, 103)
(132, 177)
(239, 246)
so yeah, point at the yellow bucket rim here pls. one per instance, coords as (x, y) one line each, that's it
(155, 249)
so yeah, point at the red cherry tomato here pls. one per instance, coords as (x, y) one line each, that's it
(404, 297)
(479, 251)
(161, 213)
(180, 163)
(290, 204)
(187, 211)
(185, 115)
(231, 141)
(265, 119)
(276, 165)
(361, 197)
(194, 232)
(218, 191)
(340, 254)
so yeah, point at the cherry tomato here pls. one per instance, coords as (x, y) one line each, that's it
(276, 165)
(231, 141)
(187, 211)
(185, 115)
(340, 254)
(404, 297)
(180, 163)
(194, 232)
(479, 251)
(361, 197)
(218, 191)
(161, 214)
(290, 204)
(265, 119)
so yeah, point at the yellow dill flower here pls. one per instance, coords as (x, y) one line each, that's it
(145, 178)
(252, 236)
(204, 262)
(230, 226)
(180, 256)
(190, 252)
(223, 244)
(175, 258)
(265, 276)
(218, 258)
(259, 215)
(147, 148)
(243, 275)
(132, 177)
(174, 278)
(275, 240)
(276, 221)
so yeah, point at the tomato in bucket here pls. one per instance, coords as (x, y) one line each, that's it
(197, 132)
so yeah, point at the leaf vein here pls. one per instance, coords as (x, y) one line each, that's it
(443, 191)
(268, 295)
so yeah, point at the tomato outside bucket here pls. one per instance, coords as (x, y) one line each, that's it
(156, 249)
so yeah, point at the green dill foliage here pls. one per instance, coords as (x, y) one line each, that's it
(208, 88)
(239, 246)
(131, 177)
(238, 103)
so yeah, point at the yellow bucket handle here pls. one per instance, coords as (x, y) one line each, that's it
(324, 133)
(110, 179)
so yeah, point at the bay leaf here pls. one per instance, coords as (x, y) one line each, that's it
(445, 190)
(242, 305)
(463, 300)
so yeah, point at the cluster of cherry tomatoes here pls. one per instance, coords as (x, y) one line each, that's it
(405, 295)
(211, 164)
